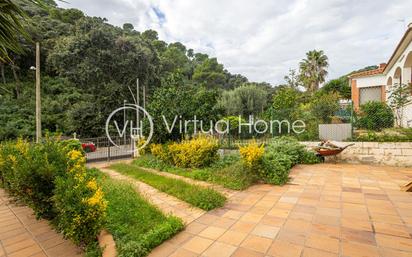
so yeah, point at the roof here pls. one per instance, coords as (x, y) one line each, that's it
(384, 68)
(368, 73)
(402, 45)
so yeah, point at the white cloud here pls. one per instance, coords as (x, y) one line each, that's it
(263, 39)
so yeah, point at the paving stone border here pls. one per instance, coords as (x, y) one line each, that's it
(107, 243)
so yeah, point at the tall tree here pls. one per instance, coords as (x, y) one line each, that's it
(292, 79)
(11, 27)
(246, 100)
(339, 85)
(210, 73)
(313, 69)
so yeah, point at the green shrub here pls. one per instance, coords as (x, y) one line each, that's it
(161, 152)
(289, 146)
(375, 116)
(309, 157)
(10, 152)
(227, 171)
(50, 177)
(234, 176)
(72, 144)
(79, 201)
(275, 168)
(30, 171)
(280, 155)
(387, 135)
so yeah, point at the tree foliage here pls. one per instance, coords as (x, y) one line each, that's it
(375, 116)
(313, 69)
(246, 100)
(87, 67)
(339, 85)
(399, 97)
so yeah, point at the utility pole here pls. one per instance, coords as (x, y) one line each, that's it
(137, 103)
(38, 100)
(144, 100)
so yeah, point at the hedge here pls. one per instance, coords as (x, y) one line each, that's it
(51, 178)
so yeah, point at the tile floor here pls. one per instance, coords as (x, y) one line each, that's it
(325, 210)
(22, 235)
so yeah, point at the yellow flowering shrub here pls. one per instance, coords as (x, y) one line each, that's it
(79, 201)
(193, 153)
(51, 178)
(160, 151)
(156, 149)
(28, 171)
(252, 154)
(139, 144)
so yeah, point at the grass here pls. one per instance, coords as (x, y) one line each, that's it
(204, 198)
(227, 171)
(136, 225)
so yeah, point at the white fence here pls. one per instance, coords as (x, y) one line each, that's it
(336, 132)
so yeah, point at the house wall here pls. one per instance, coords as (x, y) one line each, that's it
(355, 94)
(406, 79)
(382, 80)
(406, 71)
(371, 81)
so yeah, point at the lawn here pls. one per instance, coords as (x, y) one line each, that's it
(136, 225)
(204, 198)
(227, 171)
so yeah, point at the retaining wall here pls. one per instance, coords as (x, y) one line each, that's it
(393, 154)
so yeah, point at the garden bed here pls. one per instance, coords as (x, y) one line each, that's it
(385, 135)
(201, 197)
(227, 171)
(136, 225)
(256, 162)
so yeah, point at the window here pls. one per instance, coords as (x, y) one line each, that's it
(367, 94)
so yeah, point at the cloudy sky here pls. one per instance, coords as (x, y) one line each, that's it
(263, 39)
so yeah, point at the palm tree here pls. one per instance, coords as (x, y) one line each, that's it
(11, 27)
(313, 69)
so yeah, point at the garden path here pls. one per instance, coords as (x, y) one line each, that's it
(22, 235)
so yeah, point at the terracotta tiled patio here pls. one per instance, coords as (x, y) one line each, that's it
(326, 210)
(22, 235)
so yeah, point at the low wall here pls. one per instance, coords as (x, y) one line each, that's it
(393, 154)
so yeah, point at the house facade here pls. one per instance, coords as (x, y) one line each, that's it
(375, 85)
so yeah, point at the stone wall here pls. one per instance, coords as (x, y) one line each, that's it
(393, 154)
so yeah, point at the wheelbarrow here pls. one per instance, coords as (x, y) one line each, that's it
(326, 148)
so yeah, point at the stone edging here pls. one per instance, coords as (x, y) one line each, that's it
(107, 243)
